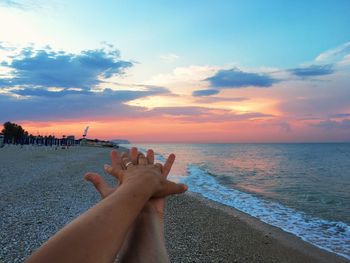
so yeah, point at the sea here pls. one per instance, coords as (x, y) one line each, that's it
(302, 188)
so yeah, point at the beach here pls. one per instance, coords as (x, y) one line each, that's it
(42, 189)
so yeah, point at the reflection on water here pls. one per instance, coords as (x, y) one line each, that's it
(314, 178)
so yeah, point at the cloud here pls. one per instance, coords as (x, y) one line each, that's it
(220, 99)
(331, 125)
(6, 47)
(42, 92)
(316, 104)
(48, 68)
(313, 70)
(223, 116)
(43, 105)
(47, 105)
(235, 78)
(11, 3)
(345, 60)
(3, 83)
(334, 54)
(25, 5)
(190, 76)
(1, 46)
(179, 111)
(205, 92)
(170, 57)
(340, 115)
(205, 115)
(120, 95)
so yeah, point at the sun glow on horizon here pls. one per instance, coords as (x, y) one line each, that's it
(174, 81)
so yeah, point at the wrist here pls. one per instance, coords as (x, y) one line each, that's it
(149, 226)
(150, 211)
(136, 189)
(154, 217)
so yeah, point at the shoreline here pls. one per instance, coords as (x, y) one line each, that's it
(45, 190)
(270, 243)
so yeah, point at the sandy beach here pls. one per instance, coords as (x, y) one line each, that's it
(42, 189)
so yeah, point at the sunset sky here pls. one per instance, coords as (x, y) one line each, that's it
(178, 71)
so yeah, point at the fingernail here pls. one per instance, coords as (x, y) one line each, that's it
(107, 167)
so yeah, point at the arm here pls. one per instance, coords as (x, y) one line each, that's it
(145, 241)
(98, 234)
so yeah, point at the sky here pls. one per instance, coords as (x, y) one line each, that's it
(195, 71)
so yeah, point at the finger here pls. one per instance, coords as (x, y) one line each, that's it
(112, 171)
(168, 164)
(101, 186)
(125, 161)
(133, 155)
(123, 158)
(115, 158)
(150, 156)
(172, 188)
(159, 165)
(116, 164)
(142, 160)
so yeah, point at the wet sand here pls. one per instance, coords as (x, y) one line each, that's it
(42, 189)
(199, 230)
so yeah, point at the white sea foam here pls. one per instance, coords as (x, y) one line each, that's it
(332, 236)
(329, 235)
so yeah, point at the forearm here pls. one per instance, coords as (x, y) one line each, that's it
(145, 242)
(98, 234)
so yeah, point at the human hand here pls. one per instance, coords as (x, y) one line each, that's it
(145, 239)
(154, 205)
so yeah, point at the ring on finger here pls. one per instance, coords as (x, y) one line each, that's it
(128, 164)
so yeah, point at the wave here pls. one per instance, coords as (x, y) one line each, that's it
(333, 236)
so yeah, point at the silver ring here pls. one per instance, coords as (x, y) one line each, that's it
(127, 164)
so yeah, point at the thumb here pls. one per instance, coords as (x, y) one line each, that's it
(172, 188)
(101, 186)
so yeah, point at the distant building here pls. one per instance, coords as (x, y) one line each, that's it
(70, 140)
(97, 143)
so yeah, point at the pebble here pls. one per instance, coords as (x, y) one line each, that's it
(41, 190)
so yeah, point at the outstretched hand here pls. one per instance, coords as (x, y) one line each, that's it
(117, 170)
(117, 225)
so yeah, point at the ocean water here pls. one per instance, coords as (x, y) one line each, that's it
(303, 189)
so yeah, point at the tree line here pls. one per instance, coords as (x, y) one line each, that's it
(15, 134)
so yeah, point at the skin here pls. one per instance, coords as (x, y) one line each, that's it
(145, 241)
(99, 233)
